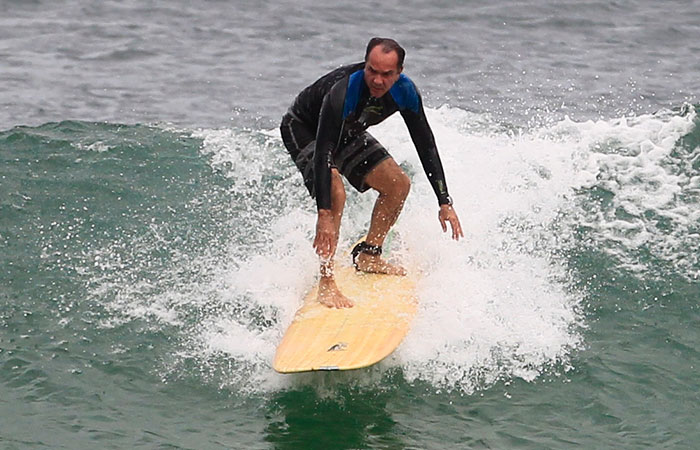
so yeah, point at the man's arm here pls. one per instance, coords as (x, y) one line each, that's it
(327, 137)
(424, 140)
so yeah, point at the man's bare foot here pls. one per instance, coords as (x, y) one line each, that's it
(375, 264)
(330, 295)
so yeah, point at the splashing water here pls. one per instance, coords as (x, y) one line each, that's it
(499, 304)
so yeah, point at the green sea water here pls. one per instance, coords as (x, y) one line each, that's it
(147, 273)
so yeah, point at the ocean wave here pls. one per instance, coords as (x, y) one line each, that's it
(205, 235)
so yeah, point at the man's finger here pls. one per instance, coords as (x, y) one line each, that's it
(456, 228)
(321, 245)
(324, 245)
(323, 251)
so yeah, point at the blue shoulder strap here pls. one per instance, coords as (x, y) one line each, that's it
(405, 95)
(352, 95)
(403, 92)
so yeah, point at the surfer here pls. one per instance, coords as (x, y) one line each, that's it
(324, 132)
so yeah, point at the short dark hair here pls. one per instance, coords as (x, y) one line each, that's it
(388, 45)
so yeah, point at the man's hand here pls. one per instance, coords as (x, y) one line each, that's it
(326, 238)
(448, 214)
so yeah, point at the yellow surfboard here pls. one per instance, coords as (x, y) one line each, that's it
(323, 338)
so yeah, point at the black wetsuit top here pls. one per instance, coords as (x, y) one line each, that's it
(338, 107)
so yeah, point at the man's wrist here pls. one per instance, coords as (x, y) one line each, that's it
(447, 201)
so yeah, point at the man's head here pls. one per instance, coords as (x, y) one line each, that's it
(383, 65)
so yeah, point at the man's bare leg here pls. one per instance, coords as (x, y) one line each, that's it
(328, 292)
(393, 185)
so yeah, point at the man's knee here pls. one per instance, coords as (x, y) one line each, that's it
(401, 185)
(338, 193)
(396, 183)
(389, 180)
(337, 188)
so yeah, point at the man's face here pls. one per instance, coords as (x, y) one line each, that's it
(381, 71)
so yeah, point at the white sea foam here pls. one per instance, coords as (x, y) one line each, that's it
(499, 301)
(498, 304)
(651, 186)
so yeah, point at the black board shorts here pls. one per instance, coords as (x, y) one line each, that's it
(355, 160)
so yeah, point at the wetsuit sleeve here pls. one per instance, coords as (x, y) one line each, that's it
(423, 139)
(327, 138)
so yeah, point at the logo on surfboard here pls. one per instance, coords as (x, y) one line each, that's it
(339, 347)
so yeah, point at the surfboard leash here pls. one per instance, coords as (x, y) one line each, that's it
(364, 247)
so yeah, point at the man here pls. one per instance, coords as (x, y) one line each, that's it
(324, 132)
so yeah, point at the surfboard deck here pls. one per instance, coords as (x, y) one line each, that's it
(323, 338)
